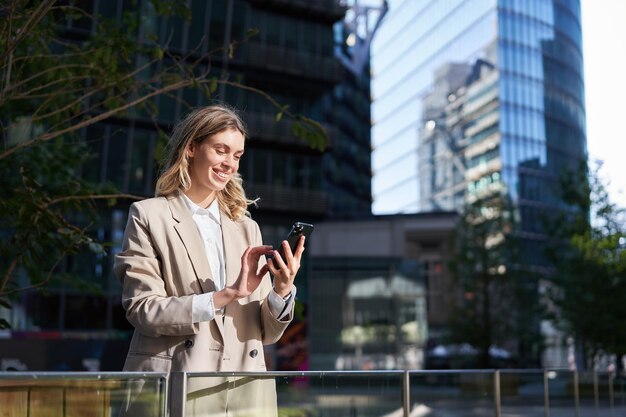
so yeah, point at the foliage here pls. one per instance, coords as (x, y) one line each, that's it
(587, 283)
(496, 299)
(53, 84)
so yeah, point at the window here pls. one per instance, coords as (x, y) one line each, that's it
(218, 26)
(116, 165)
(140, 163)
(197, 29)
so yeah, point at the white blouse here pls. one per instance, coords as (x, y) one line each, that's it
(209, 225)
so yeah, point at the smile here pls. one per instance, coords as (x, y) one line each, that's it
(222, 175)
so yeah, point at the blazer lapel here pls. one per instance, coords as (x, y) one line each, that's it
(192, 241)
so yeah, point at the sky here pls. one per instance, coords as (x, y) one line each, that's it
(604, 53)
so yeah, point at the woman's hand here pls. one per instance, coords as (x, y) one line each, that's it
(250, 276)
(287, 269)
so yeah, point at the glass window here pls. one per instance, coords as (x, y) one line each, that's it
(403, 170)
(116, 165)
(393, 149)
(108, 8)
(272, 30)
(238, 29)
(77, 305)
(141, 161)
(260, 166)
(279, 169)
(174, 31)
(291, 33)
(94, 139)
(397, 199)
(309, 37)
(327, 43)
(44, 310)
(315, 174)
(84, 22)
(218, 24)
(299, 171)
(197, 33)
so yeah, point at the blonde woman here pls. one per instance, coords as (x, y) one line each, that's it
(196, 283)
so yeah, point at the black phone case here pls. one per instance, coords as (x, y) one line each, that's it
(297, 230)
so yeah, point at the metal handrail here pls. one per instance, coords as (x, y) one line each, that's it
(174, 384)
(80, 375)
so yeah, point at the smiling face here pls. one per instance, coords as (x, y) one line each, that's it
(212, 163)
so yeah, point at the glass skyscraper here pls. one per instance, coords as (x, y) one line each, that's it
(474, 98)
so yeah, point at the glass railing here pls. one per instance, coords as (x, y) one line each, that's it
(460, 393)
(302, 394)
(453, 393)
(71, 394)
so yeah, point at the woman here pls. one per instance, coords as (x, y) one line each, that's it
(194, 285)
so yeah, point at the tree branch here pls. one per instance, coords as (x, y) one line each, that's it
(95, 119)
(29, 95)
(7, 274)
(39, 284)
(39, 74)
(9, 65)
(43, 8)
(87, 95)
(92, 197)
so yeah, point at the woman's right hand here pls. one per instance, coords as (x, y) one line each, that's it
(250, 276)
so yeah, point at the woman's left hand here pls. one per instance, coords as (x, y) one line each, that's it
(287, 269)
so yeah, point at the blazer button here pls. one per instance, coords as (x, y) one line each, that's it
(253, 353)
(188, 343)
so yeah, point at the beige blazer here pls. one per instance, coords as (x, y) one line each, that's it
(162, 264)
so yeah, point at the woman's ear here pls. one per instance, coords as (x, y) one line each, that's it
(190, 150)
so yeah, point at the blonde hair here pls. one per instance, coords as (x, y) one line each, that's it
(194, 128)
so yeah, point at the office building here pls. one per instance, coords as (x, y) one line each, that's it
(476, 100)
(292, 59)
(378, 288)
(472, 96)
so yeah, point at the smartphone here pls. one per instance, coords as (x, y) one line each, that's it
(297, 230)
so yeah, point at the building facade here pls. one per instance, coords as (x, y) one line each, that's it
(379, 290)
(472, 97)
(292, 59)
(475, 101)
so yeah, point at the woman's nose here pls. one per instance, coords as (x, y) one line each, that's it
(230, 161)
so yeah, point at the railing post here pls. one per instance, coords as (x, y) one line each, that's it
(406, 396)
(546, 394)
(596, 392)
(177, 394)
(576, 395)
(496, 393)
(611, 398)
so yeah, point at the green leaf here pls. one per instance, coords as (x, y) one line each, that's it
(213, 85)
(157, 54)
(279, 116)
(97, 248)
(252, 32)
(295, 129)
(299, 309)
(206, 90)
